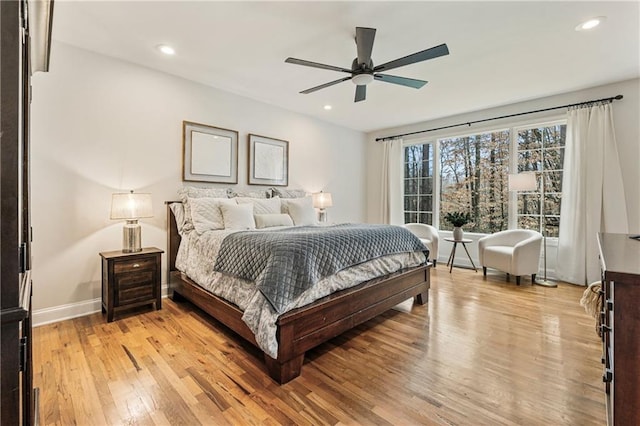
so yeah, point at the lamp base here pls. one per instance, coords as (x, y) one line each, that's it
(322, 215)
(131, 240)
(546, 283)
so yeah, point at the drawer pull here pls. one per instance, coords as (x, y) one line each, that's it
(136, 265)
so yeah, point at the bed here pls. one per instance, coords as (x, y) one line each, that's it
(305, 327)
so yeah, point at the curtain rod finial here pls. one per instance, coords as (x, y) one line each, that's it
(617, 98)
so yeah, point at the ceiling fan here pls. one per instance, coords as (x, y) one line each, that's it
(362, 70)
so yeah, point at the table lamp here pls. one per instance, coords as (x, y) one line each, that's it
(131, 207)
(322, 200)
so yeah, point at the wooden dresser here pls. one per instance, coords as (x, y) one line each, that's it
(24, 47)
(620, 317)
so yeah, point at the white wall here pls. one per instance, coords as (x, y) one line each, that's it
(100, 125)
(626, 122)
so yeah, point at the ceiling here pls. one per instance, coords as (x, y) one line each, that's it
(500, 52)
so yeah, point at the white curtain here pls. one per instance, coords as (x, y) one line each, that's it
(592, 192)
(392, 179)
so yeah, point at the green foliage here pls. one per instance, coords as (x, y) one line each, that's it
(457, 219)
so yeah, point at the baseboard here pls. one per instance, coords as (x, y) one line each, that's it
(64, 312)
(71, 310)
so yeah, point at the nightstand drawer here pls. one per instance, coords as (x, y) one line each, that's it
(134, 294)
(132, 287)
(132, 265)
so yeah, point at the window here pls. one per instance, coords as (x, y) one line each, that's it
(541, 150)
(473, 180)
(472, 172)
(418, 184)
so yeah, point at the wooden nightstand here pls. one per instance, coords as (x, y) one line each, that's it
(130, 279)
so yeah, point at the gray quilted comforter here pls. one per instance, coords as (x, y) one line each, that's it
(286, 262)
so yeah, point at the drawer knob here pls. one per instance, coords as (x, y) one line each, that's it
(136, 265)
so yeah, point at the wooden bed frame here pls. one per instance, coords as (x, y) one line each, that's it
(306, 327)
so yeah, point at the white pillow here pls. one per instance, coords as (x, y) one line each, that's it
(187, 193)
(272, 219)
(206, 215)
(262, 205)
(301, 211)
(239, 216)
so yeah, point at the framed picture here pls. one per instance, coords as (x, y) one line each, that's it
(209, 154)
(268, 161)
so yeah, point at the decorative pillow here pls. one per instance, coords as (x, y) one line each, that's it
(187, 192)
(232, 193)
(272, 219)
(262, 205)
(206, 215)
(288, 193)
(178, 213)
(301, 211)
(238, 216)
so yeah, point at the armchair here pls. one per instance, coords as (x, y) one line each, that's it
(515, 251)
(428, 235)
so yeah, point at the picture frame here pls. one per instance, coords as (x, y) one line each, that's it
(268, 161)
(209, 154)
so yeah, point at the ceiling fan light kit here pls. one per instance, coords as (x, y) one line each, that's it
(362, 79)
(362, 70)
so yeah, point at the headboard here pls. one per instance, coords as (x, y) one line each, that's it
(173, 240)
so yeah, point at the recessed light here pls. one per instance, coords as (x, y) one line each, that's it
(167, 50)
(327, 107)
(591, 23)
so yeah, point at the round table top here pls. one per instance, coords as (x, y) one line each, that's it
(453, 240)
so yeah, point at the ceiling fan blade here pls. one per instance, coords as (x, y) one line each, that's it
(364, 43)
(434, 52)
(402, 81)
(315, 65)
(322, 86)
(361, 93)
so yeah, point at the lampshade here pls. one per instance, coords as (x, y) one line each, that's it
(131, 205)
(523, 182)
(322, 200)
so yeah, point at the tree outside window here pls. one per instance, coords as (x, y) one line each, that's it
(541, 150)
(473, 180)
(418, 184)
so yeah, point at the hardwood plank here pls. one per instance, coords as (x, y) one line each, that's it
(482, 351)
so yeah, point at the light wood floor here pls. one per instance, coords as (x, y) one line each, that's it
(482, 352)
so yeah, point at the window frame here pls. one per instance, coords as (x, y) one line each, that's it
(512, 127)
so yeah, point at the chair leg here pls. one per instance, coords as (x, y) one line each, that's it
(435, 262)
(484, 271)
(533, 278)
(518, 280)
(508, 278)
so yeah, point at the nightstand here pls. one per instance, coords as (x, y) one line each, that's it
(130, 279)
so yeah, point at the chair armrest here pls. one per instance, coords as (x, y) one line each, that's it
(526, 256)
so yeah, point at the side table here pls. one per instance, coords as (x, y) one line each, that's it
(452, 255)
(130, 279)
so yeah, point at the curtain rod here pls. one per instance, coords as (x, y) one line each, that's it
(469, 123)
